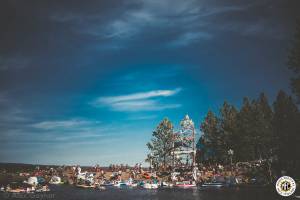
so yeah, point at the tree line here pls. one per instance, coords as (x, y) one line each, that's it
(256, 131)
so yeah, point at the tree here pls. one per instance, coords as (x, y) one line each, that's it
(261, 127)
(246, 132)
(255, 131)
(265, 137)
(287, 133)
(228, 128)
(201, 153)
(211, 136)
(162, 143)
(294, 63)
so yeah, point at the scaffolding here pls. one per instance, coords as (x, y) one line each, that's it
(184, 150)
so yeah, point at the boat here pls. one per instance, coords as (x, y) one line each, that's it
(120, 184)
(186, 184)
(19, 187)
(213, 184)
(149, 185)
(85, 180)
(107, 184)
(42, 189)
(81, 176)
(99, 187)
(18, 190)
(216, 182)
(55, 180)
(166, 185)
(33, 180)
(85, 186)
(131, 183)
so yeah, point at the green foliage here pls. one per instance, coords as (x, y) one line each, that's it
(255, 131)
(161, 144)
(211, 137)
(228, 128)
(219, 133)
(287, 133)
(264, 130)
(245, 126)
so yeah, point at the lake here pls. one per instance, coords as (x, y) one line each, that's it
(66, 192)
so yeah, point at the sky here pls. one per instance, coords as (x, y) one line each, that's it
(86, 82)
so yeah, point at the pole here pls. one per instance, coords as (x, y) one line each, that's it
(151, 164)
(173, 156)
(194, 147)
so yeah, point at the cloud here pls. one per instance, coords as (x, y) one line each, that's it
(149, 15)
(169, 23)
(139, 96)
(13, 62)
(190, 21)
(80, 137)
(12, 114)
(138, 101)
(59, 131)
(145, 105)
(63, 124)
(143, 117)
(189, 38)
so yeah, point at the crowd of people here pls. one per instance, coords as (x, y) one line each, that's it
(256, 172)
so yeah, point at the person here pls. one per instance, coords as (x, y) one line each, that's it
(130, 180)
(133, 173)
(45, 188)
(140, 167)
(78, 169)
(8, 187)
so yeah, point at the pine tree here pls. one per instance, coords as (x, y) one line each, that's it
(245, 132)
(201, 153)
(162, 143)
(287, 133)
(211, 136)
(228, 128)
(265, 137)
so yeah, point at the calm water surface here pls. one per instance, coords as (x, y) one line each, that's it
(65, 192)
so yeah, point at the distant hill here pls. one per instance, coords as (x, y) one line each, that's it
(21, 167)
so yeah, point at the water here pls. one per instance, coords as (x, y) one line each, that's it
(65, 192)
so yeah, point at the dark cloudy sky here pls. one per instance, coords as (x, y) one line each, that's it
(87, 81)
